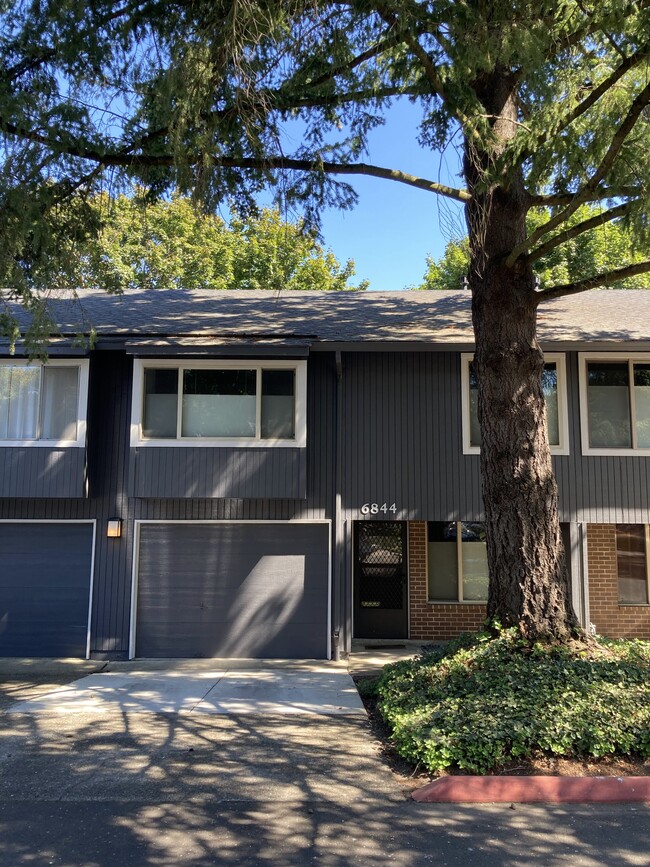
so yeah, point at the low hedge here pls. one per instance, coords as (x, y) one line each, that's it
(482, 701)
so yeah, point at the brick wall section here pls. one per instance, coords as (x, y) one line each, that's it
(433, 621)
(611, 619)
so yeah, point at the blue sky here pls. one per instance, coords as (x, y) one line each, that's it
(393, 227)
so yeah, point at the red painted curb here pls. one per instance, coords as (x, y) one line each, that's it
(531, 790)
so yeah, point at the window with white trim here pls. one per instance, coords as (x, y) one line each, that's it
(554, 388)
(615, 404)
(219, 403)
(43, 404)
(457, 569)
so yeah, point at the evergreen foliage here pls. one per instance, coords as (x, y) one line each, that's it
(547, 102)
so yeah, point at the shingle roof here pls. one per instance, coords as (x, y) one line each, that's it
(347, 317)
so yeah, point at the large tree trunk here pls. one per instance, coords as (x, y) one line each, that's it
(529, 584)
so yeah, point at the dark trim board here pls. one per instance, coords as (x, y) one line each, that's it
(46, 587)
(249, 589)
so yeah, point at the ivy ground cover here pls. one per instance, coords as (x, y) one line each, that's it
(481, 702)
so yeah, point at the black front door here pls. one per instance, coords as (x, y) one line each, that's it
(380, 585)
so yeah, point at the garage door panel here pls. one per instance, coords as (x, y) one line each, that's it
(44, 639)
(44, 588)
(296, 641)
(233, 590)
(48, 602)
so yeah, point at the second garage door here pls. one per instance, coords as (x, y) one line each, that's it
(256, 590)
(45, 580)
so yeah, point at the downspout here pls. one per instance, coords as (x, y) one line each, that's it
(339, 596)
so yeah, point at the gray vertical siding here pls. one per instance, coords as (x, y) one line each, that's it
(42, 472)
(107, 456)
(108, 477)
(599, 489)
(403, 438)
(401, 442)
(240, 473)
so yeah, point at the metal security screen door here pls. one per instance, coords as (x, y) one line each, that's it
(380, 580)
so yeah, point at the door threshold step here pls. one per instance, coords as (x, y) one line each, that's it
(384, 647)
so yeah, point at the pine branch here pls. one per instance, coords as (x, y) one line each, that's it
(126, 159)
(560, 199)
(591, 23)
(594, 282)
(342, 98)
(581, 108)
(582, 196)
(374, 51)
(578, 229)
(429, 67)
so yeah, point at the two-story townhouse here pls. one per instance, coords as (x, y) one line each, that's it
(253, 475)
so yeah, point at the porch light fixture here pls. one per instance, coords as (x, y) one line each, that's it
(114, 528)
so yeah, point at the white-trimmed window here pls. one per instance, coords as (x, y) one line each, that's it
(457, 569)
(43, 404)
(219, 403)
(615, 403)
(555, 394)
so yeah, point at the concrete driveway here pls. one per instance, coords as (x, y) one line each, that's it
(179, 729)
(205, 687)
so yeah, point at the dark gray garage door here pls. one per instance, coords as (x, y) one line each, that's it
(44, 588)
(233, 590)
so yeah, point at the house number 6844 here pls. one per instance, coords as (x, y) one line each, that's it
(377, 508)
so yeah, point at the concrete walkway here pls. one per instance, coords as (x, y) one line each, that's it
(205, 687)
(237, 730)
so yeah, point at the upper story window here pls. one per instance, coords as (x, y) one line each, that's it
(219, 403)
(43, 404)
(615, 403)
(554, 387)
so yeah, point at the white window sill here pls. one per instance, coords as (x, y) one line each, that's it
(555, 450)
(200, 443)
(42, 444)
(610, 453)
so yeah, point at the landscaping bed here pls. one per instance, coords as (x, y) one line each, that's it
(486, 705)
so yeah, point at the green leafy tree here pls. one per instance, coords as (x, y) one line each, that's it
(451, 270)
(600, 250)
(271, 254)
(546, 101)
(169, 244)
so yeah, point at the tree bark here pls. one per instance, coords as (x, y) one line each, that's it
(529, 584)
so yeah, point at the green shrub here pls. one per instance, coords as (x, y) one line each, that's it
(482, 701)
(367, 686)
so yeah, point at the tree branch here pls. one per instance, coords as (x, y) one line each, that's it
(584, 106)
(589, 27)
(578, 229)
(125, 159)
(560, 199)
(638, 104)
(594, 282)
(368, 54)
(428, 65)
(342, 98)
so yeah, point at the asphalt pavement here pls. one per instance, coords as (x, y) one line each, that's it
(121, 785)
